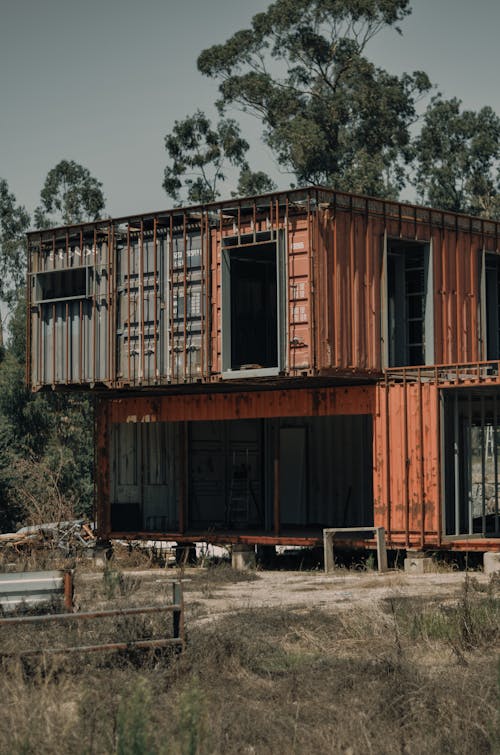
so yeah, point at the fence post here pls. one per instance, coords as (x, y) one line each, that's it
(68, 589)
(381, 549)
(178, 613)
(328, 557)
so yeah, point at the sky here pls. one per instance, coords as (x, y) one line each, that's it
(102, 81)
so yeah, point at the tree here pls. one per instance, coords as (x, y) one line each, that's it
(251, 183)
(457, 157)
(14, 222)
(46, 448)
(72, 192)
(199, 154)
(329, 115)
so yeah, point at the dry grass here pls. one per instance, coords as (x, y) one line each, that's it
(407, 677)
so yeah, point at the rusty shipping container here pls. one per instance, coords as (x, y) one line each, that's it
(298, 284)
(270, 366)
(419, 457)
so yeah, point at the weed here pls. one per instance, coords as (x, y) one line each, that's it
(133, 723)
(116, 583)
(370, 562)
(192, 728)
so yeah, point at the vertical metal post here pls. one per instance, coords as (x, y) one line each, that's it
(94, 308)
(456, 448)
(68, 589)
(178, 612)
(155, 298)
(381, 549)
(353, 292)
(209, 273)
(441, 497)
(328, 558)
(108, 296)
(80, 330)
(387, 455)
(421, 463)
(129, 330)
(469, 465)
(406, 462)
(142, 329)
(66, 366)
(171, 296)
(54, 344)
(184, 283)
(28, 377)
(276, 464)
(495, 460)
(312, 293)
(483, 471)
(203, 286)
(65, 360)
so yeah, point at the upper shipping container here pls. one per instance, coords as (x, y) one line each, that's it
(303, 283)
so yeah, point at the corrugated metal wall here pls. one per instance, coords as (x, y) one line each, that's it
(407, 487)
(70, 313)
(344, 457)
(152, 312)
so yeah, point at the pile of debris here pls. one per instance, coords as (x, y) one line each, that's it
(69, 537)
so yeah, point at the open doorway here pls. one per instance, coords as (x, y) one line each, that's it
(251, 317)
(408, 328)
(471, 447)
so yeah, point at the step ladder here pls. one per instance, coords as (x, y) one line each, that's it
(237, 510)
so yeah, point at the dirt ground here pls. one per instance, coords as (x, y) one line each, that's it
(210, 593)
(276, 662)
(317, 590)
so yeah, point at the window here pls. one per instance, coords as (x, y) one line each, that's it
(63, 284)
(472, 462)
(492, 315)
(408, 326)
(251, 309)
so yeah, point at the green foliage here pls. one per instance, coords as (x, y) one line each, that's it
(46, 444)
(251, 183)
(329, 115)
(199, 155)
(191, 720)
(134, 722)
(14, 222)
(46, 439)
(458, 158)
(71, 192)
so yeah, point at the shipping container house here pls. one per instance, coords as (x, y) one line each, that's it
(266, 367)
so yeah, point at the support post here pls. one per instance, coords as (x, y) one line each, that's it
(329, 533)
(381, 549)
(178, 612)
(329, 560)
(68, 589)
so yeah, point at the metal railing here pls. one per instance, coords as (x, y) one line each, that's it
(30, 589)
(453, 373)
(176, 608)
(347, 533)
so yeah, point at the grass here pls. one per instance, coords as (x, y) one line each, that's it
(410, 677)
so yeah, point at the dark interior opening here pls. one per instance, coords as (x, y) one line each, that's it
(254, 315)
(492, 307)
(407, 301)
(61, 284)
(472, 462)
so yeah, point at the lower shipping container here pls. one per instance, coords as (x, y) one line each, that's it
(279, 466)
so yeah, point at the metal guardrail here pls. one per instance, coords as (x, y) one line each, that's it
(455, 373)
(176, 608)
(36, 588)
(344, 532)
